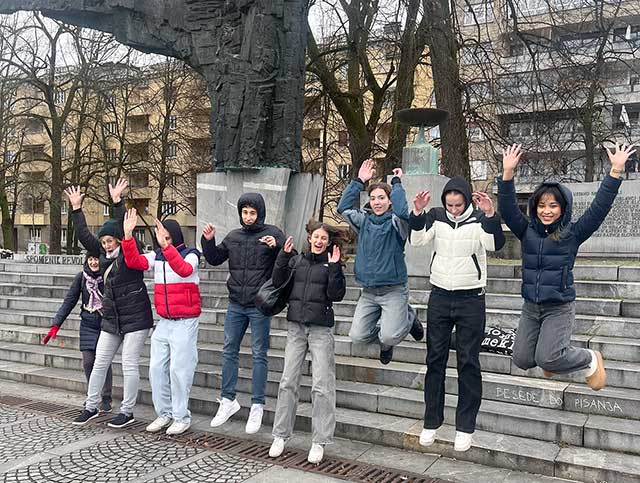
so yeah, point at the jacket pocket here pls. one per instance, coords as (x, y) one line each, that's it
(477, 265)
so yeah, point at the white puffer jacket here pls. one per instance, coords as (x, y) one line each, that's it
(459, 259)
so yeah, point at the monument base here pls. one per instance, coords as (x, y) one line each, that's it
(290, 199)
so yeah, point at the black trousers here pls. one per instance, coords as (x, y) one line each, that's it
(464, 309)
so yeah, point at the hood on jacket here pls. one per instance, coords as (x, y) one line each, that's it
(565, 219)
(173, 227)
(461, 186)
(256, 201)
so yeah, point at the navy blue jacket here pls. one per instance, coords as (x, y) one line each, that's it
(381, 239)
(89, 321)
(547, 263)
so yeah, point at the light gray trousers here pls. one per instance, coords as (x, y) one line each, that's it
(321, 345)
(132, 345)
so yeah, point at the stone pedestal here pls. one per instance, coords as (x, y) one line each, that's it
(619, 235)
(290, 199)
(418, 258)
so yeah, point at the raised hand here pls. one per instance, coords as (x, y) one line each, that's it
(367, 170)
(420, 201)
(209, 232)
(510, 159)
(619, 157)
(334, 256)
(162, 235)
(130, 222)
(268, 240)
(75, 197)
(397, 172)
(484, 202)
(288, 245)
(116, 191)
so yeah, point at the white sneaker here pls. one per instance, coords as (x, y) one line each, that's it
(463, 441)
(427, 437)
(255, 419)
(277, 447)
(226, 409)
(316, 453)
(178, 428)
(159, 424)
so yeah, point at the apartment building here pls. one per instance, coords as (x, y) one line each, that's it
(561, 77)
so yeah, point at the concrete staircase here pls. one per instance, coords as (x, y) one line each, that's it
(555, 427)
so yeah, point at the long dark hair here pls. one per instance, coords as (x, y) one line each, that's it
(337, 236)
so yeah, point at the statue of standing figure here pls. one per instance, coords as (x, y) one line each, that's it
(251, 53)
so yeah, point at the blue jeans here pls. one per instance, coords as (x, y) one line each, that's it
(174, 356)
(382, 315)
(235, 325)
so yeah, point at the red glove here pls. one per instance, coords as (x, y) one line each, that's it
(53, 332)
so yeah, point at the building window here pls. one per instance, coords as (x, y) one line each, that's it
(111, 127)
(312, 137)
(63, 237)
(35, 234)
(478, 169)
(169, 207)
(64, 207)
(138, 233)
(111, 155)
(59, 97)
(479, 13)
(32, 126)
(343, 138)
(173, 122)
(139, 179)
(344, 171)
(9, 157)
(475, 134)
(105, 210)
(172, 151)
(171, 179)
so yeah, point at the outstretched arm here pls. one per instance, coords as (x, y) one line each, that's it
(507, 200)
(85, 237)
(70, 301)
(591, 219)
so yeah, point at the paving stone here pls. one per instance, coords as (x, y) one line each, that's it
(37, 435)
(10, 415)
(214, 467)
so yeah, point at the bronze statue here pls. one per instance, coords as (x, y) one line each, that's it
(251, 53)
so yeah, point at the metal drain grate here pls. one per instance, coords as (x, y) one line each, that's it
(13, 400)
(44, 407)
(336, 467)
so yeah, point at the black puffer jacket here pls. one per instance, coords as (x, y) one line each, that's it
(89, 321)
(250, 261)
(316, 285)
(126, 304)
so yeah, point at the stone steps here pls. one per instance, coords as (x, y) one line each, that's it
(492, 449)
(523, 391)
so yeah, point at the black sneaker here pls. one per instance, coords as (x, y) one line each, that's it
(386, 355)
(105, 407)
(417, 331)
(121, 420)
(85, 417)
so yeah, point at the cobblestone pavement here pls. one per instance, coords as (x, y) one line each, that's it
(48, 449)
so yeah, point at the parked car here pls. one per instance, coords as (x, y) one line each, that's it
(4, 253)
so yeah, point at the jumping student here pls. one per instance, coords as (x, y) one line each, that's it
(461, 235)
(318, 281)
(89, 286)
(176, 297)
(550, 242)
(383, 314)
(251, 251)
(126, 309)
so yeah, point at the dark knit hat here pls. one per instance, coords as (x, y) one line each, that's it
(111, 227)
(173, 227)
(91, 254)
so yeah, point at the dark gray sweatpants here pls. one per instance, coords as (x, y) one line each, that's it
(543, 339)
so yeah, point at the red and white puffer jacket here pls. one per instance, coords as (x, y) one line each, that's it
(176, 292)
